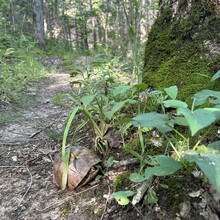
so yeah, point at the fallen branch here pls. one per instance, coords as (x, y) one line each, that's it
(141, 191)
(131, 161)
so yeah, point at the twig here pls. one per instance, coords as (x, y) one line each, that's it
(138, 211)
(67, 198)
(39, 131)
(106, 203)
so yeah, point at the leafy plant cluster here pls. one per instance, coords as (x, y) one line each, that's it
(182, 147)
(106, 103)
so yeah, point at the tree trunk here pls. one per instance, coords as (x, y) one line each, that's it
(12, 14)
(38, 22)
(183, 47)
(93, 26)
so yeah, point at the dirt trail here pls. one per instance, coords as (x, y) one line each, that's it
(27, 190)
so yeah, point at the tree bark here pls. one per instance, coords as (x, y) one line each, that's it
(183, 47)
(38, 22)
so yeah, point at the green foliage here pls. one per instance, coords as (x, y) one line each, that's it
(216, 76)
(166, 166)
(101, 101)
(209, 163)
(197, 119)
(186, 148)
(18, 66)
(122, 197)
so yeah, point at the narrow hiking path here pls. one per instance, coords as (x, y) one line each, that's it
(27, 148)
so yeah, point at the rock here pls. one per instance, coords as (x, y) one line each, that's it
(185, 208)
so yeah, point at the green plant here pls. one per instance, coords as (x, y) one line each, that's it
(187, 146)
(100, 99)
(18, 66)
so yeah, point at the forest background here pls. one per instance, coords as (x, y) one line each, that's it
(110, 38)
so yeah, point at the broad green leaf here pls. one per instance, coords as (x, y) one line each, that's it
(122, 197)
(166, 166)
(140, 86)
(197, 119)
(127, 193)
(209, 164)
(155, 93)
(164, 186)
(123, 201)
(152, 119)
(86, 100)
(181, 121)
(172, 91)
(215, 145)
(136, 178)
(165, 127)
(110, 161)
(117, 106)
(121, 89)
(174, 104)
(205, 96)
(110, 80)
(216, 76)
(75, 73)
(151, 197)
(216, 111)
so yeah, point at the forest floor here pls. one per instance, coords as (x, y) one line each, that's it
(27, 148)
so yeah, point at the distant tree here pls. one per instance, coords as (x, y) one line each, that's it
(38, 22)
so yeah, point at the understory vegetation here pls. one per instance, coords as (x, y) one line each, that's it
(18, 66)
(152, 105)
(172, 137)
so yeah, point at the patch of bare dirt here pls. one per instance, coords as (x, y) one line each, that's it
(26, 161)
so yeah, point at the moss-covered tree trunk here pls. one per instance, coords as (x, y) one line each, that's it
(183, 47)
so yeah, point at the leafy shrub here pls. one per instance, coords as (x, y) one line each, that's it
(204, 112)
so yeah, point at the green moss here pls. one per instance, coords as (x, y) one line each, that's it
(175, 54)
(121, 181)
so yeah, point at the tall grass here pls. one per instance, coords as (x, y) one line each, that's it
(18, 66)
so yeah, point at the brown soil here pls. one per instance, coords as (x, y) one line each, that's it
(27, 148)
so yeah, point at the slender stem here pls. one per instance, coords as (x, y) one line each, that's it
(95, 126)
(193, 104)
(176, 151)
(203, 136)
(182, 136)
